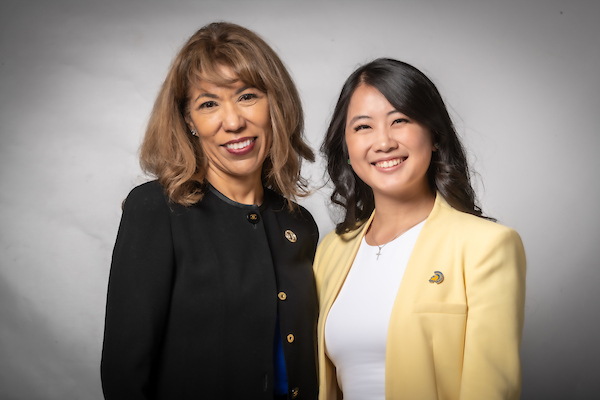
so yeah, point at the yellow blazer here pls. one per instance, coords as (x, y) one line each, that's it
(458, 339)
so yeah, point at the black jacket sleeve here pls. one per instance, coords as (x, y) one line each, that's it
(139, 294)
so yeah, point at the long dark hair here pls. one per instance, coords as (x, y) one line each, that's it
(409, 91)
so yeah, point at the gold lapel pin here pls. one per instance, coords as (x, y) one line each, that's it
(437, 277)
(291, 236)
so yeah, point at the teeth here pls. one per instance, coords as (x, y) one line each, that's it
(389, 163)
(239, 145)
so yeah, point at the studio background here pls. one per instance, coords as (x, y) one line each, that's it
(77, 83)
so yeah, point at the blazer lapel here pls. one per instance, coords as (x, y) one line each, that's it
(418, 268)
(345, 257)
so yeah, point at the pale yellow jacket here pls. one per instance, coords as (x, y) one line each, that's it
(458, 339)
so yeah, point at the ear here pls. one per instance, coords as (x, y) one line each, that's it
(189, 122)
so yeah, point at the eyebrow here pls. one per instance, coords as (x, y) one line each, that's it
(354, 119)
(214, 96)
(240, 90)
(357, 118)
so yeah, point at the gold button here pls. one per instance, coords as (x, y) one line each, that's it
(290, 338)
(291, 236)
(294, 393)
(282, 296)
(253, 217)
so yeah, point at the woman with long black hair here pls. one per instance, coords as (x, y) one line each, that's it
(421, 296)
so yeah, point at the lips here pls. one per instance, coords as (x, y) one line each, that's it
(239, 145)
(390, 163)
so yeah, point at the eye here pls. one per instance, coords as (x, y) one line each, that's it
(248, 97)
(361, 127)
(400, 120)
(207, 105)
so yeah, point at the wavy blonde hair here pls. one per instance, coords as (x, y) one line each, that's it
(171, 154)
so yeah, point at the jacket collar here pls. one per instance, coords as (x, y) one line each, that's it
(439, 207)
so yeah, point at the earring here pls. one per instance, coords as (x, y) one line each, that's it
(349, 163)
(193, 132)
(436, 145)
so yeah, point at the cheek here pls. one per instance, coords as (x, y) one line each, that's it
(262, 116)
(262, 120)
(427, 139)
(352, 144)
(205, 149)
(421, 144)
(207, 142)
(268, 139)
(358, 150)
(204, 125)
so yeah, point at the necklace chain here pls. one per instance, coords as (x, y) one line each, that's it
(383, 245)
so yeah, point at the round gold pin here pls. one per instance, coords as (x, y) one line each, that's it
(291, 236)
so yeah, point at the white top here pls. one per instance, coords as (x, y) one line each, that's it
(357, 323)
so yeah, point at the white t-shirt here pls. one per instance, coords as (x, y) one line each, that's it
(357, 323)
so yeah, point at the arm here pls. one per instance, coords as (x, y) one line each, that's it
(139, 293)
(495, 288)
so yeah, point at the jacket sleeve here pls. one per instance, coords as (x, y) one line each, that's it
(139, 292)
(495, 289)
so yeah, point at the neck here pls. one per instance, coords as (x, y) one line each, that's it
(245, 190)
(396, 215)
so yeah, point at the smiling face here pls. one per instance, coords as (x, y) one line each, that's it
(234, 127)
(389, 151)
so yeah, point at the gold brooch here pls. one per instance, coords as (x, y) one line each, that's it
(437, 277)
(291, 236)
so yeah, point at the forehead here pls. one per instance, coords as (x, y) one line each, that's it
(367, 99)
(220, 75)
(206, 86)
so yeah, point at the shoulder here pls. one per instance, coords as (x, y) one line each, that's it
(298, 214)
(474, 232)
(146, 214)
(152, 190)
(147, 197)
(334, 246)
(334, 240)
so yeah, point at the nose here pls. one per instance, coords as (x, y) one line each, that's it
(384, 142)
(233, 120)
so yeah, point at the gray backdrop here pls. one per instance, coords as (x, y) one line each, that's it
(77, 82)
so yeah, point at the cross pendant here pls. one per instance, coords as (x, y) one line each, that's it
(378, 253)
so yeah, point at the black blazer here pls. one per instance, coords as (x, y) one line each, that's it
(194, 293)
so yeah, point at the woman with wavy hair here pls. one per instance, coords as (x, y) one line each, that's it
(421, 296)
(211, 293)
